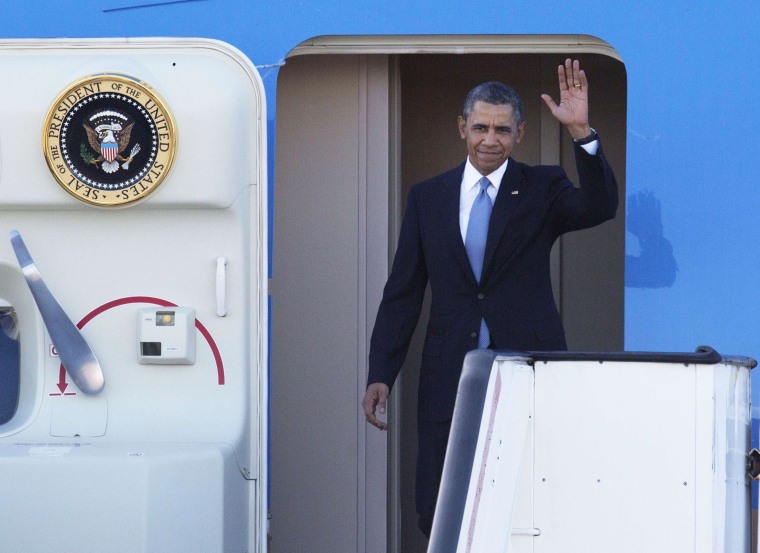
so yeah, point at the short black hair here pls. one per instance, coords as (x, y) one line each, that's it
(496, 93)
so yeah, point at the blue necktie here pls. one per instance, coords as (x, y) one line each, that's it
(475, 243)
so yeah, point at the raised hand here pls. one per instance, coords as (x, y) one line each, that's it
(572, 110)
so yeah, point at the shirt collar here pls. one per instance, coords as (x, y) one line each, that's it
(471, 175)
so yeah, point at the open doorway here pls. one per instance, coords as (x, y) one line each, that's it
(588, 267)
(359, 121)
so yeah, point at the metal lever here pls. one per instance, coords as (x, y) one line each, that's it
(77, 357)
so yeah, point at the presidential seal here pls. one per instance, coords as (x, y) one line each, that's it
(109, 140)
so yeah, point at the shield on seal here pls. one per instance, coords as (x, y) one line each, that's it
(109, 150)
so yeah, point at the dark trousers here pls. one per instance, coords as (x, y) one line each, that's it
(432, 438)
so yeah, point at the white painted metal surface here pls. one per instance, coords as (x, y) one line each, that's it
(627, 455)
(166, 457)
(497, 463)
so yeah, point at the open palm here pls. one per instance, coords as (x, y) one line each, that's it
(572, 110)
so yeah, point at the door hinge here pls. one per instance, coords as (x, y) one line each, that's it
(753, 464)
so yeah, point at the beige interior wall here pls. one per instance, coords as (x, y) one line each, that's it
(328, 469)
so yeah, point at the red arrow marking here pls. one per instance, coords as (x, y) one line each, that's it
(155, 301)
(62, 385)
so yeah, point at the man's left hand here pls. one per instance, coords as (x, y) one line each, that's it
(572, 110)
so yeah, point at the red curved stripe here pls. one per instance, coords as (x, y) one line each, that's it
(163, 303)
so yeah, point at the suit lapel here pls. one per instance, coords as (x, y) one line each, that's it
(452, 186)
(509, 196)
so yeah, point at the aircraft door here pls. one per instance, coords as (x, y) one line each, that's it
(143, 217)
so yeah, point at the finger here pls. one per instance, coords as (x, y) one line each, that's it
(375, 399)
(576, 73)
(576, 76)
(373, 420)
(549, 101)
(368, 404)
(562, 78)
(369, 414)
(583, 80)
(382, 398)
(570, 74)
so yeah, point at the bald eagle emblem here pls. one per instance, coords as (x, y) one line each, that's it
(108, 135)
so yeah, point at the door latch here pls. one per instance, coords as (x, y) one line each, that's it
(753, 464)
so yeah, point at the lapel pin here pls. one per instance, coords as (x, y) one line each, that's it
(515, 192)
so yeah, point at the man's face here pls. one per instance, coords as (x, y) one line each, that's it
(490, 132)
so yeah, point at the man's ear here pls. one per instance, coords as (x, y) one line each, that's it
(462, 126)
(520, 131)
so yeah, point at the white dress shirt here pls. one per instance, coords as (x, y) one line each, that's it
(470, 189)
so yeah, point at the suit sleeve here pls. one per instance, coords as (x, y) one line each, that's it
(400, 307)
(593, 203)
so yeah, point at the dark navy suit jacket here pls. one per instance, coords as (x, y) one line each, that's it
(534, 206)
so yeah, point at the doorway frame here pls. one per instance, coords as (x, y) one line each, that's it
(393, 47)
